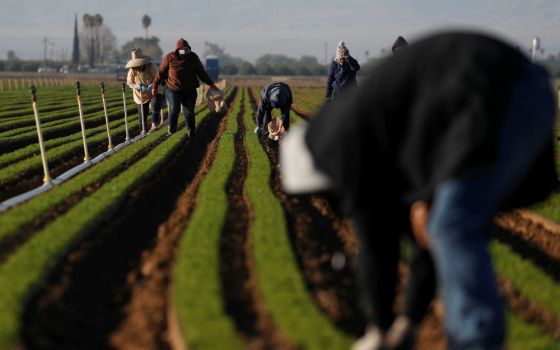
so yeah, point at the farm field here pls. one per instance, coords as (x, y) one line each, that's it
(172, 243)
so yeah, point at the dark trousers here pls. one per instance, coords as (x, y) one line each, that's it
(156, 103)
(377, 268)
(176, 99)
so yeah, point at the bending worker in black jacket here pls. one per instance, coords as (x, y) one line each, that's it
(274, 95)
(461, 122)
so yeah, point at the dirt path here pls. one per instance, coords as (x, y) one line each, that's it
(237, 269)
(315, 241)
(149, 322)
(82, 301)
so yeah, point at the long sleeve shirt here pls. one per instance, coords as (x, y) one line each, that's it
(182, 73)
(284, 101)
(341, 75)
(146, 77)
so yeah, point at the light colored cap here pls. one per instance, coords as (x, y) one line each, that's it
(298, 172)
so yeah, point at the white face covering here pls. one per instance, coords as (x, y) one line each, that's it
(182, 52)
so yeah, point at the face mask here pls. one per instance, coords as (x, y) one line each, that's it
(182, 52)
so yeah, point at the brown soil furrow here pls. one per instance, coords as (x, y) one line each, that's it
(536, 230)
(148, 314)
(11, 243)
(531, 240)
(315, 242)
(529, 311)
(33, 178)
(237, 268)
(82, 300)
(304, 115)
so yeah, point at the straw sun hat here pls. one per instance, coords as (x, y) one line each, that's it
(138, 59)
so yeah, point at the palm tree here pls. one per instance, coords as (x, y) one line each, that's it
(89, 22)
(146, 21)
(97, 23)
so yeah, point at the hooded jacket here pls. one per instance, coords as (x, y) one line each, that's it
(431, 113)
(341, 75)
(399, 44)
(182, 72)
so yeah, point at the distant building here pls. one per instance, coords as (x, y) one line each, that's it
(212, 64)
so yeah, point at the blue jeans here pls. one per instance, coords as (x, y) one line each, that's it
(463, 209)
(176, 99)
(156, 104)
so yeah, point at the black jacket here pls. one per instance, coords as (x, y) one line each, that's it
(425, 115)
(284, 98)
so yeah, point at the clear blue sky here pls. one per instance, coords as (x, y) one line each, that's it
(249, 28)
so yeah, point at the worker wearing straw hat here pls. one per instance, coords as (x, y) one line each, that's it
(141, 74)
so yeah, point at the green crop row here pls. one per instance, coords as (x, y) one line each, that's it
(15, 106)
(24, 269)
(278, 275)
(59, 118)
(551, 207)
(13, 171)
(17, 109)
(96, 118)
(526, 277)
(24, 214)
(524, 336)
(60, 113)
(33, 149)
(197, 292)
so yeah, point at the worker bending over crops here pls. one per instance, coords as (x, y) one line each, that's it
(181, 69)
(457, 127)
(275, 95)
(342, 71)
(141, 75)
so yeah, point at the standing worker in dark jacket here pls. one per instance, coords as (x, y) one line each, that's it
(274, 95)
(342, 71)
(181, 69)
(457, 127)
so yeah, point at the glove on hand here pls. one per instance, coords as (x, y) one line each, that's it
(257, 130)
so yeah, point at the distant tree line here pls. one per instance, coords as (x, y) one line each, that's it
(268, 64)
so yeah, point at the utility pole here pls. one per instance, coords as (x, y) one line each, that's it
(45, 44)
